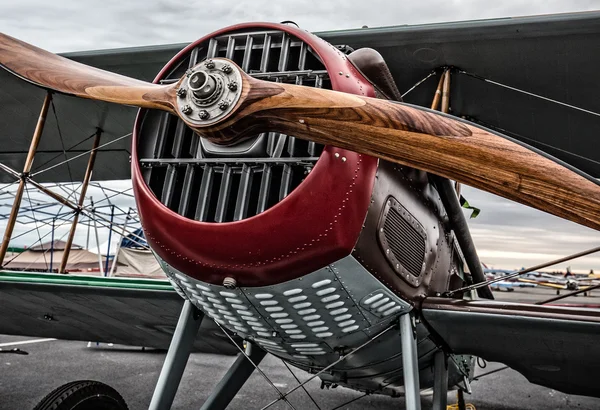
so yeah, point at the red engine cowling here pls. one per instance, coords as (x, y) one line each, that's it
(298, 232)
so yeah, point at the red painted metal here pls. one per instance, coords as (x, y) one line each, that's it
(316, 224)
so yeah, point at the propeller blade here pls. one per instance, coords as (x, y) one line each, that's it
(416, 137)
(62, 75)
(401, 133)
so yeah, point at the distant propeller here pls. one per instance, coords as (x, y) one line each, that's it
(219, 101)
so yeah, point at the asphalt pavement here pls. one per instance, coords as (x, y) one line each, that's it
(25, 379)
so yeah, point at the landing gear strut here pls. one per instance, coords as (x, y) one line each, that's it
(177, 357)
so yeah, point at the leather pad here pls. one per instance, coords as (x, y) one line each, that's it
(373, 67)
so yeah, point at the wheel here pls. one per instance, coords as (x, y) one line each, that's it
(83, 395)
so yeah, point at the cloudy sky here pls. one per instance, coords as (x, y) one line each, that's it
(69, 25)
(507, 235)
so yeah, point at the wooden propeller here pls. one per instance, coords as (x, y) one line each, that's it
(53, 72)
(397, 132)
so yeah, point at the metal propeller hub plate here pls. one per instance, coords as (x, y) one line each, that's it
(209, 91)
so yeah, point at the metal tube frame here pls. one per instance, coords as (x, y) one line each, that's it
(112, 217)
(84, 186)
(177, 357)
(440, 381)
(410, 366)
(234, 379)
(35, 140)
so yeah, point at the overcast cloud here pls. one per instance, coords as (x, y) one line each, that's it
(69, 25)
(507, 235)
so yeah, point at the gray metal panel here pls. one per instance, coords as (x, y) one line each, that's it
(310, 320)
(124, 316)
(556, 353)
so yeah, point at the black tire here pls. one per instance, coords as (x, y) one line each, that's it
(83, 395)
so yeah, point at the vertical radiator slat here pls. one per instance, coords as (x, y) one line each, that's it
(180, 130)
(278, 151)
(286, 180)
(167, 193)
(172, 171)
(230, 48)
(302, 58)
(291, 146)
(193, 57)
(186, 190)
(163, 127)
(265, 187)
(243, 196)
(247, 53)
(224, 192)
(194, 146)
(285, 53)
(311, 144)
(264, 61)
(213, 47)
(208, 176)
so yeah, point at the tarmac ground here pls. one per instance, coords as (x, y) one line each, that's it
(133, 372)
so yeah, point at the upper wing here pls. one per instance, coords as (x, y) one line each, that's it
(138, 312)
(20, 103)
(545, 55)
(551, 346)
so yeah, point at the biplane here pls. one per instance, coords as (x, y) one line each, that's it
(297, 200)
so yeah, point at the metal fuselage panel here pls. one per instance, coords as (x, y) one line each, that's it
(311, 321)
(410, 191)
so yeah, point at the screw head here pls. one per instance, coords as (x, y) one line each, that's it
(223, 105)
(232, 86)
(229, 283)
(182, 92)
(227, 68)
(204, 115)
(186, 109)
(209, 64)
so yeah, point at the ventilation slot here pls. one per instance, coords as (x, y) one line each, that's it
(405, 244)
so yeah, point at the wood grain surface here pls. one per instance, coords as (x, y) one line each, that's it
(57, 73)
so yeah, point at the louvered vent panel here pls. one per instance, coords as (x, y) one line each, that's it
(405, 242)
(205, 182)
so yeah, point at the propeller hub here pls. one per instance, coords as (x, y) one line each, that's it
(202, 85)
(209, 91)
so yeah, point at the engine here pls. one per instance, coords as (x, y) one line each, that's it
(305, 250)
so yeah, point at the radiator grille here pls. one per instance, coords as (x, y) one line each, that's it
(205, 182)
(403, 240)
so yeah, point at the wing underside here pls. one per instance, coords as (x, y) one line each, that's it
(116, 310)
(552, 346)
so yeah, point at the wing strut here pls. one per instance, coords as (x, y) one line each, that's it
(12, 219)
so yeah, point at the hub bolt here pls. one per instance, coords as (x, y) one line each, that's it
(204, 115)
(186, 109)
(232, 86)
(182, 92)
(223, 105)
(227, 69)
(209, 64)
